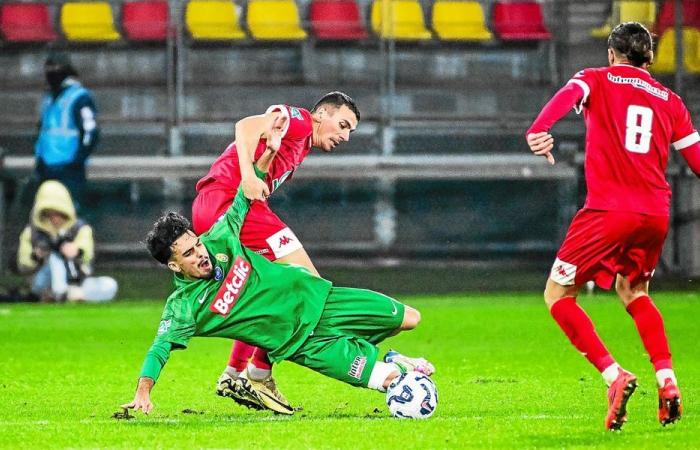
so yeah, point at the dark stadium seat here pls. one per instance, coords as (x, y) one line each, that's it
(26, 22)
(145, 20)
(519, 21)
(667, 15)
(336, 20)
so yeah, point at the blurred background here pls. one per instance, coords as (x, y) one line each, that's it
(436, 190)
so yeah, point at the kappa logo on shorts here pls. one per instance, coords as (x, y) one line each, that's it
(357, 367)
(284, 240)
(283, 243)
(231, 287)
(563, 272)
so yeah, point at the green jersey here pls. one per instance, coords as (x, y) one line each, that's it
(248, 298)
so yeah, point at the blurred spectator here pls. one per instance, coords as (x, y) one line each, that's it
(68, 129)
(58, 248)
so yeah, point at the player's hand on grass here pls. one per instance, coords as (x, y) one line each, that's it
(541, 144)
(142, 399)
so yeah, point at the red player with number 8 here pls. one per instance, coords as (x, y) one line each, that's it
(617, 237)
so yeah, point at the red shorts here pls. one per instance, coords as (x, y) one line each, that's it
(601, 244)
(262, 231)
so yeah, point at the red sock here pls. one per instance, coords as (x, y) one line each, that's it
(240, 354)
(576, 324)
(260, 359)
(650, 325)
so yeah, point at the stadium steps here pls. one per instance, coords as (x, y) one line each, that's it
(339, 167)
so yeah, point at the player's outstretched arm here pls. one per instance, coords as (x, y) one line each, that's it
(539, 140)
(142, 399)
(249, 131)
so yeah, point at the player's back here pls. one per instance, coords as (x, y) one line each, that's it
(631, 121)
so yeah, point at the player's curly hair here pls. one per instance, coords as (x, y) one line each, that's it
(338, 99)
(633, 41)
(166, 230)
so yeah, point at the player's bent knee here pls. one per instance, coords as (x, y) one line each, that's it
(411, 318)
(555, 292)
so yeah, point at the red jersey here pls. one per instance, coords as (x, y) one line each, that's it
(225, 173)
(631, 121)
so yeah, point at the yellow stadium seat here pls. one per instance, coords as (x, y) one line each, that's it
(275, 20)
(88, 22)
(460, 21)
(665, 56)
(399, 20)
(642, 11)
(213, 20)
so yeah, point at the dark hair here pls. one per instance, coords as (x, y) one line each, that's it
(166, 230)
(338, 99)
(62, 61)
(633, 41)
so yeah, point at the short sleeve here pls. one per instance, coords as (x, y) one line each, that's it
(585, 79)
(684, 134)
(298, 121)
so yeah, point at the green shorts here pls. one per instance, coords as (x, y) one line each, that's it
(342, 345)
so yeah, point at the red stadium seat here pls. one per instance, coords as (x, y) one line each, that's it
(519, 21)
(667, 16)
(145, 20)
(336, 20)
(26, 22)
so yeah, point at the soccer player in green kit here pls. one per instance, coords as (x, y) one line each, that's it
(225, 290)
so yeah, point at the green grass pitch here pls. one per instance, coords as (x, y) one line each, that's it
(507, 378)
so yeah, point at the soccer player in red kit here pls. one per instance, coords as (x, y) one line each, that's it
(329, 123)
(617, 236)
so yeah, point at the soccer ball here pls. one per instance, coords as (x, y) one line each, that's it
(412, 396)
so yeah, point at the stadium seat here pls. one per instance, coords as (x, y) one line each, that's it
(274, 20)
(665, 56)
(667, 15)
(336, 20)
(213, 20)
(399, 20)
(642, 11)
(519, 21)
(26, 22)
(145, 20)
(88, 22)
(460, 21)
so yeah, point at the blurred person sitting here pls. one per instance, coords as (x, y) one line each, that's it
(58, 248)
(68, 130)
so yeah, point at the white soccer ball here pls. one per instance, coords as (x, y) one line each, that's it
(412, 396)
